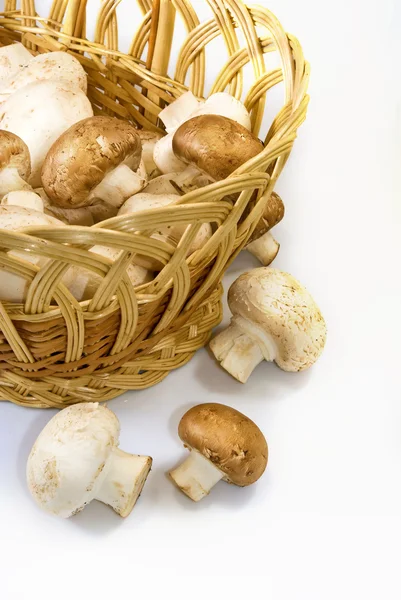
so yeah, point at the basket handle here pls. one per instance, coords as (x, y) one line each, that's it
(160, 43)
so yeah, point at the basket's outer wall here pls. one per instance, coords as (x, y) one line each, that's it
(55, 351)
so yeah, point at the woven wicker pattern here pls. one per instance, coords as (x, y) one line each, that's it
(55, 351)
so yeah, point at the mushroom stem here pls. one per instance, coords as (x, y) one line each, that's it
(118, 185)
(241, 347)
(125, 476)
(10, 181)
(196, 476)
(264, 248)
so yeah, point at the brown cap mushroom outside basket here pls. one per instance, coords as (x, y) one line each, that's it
(223, 444)
(94, 160)
(15, 163)
(261, 243)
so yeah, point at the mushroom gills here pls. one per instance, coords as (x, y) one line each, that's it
(124, 480)
(196, 476)
(241, 347)
(265, 248)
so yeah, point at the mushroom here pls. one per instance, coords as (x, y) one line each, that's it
(58, 66)
(215, 145)
(223, 444)
(70, 216)
(95, 160)
(148, 141)
(83, 283)
(177, 183)
(24, 198)
(179, 111)
(76, 459)
(12, 58)
(261, 243)
(15, 163)
(39, 113)
(13, 287)
(274, 319)
(185, 108)
(225, 105)
(166, 233)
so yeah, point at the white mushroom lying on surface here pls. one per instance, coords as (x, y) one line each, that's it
(12, 58)
(39, 113)
(274, 319)
(223, 444)
(185, 108)
(76, 459)
(167, 233)
(15, 163)
(57, 66)
(261, 243)
(95, 160)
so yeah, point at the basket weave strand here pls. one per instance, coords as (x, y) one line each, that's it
(55, 351)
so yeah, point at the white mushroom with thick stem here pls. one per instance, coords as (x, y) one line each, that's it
(39, 113)
(57, 66)
(76, 459)
(223, 444)
(274, 319)
(12, 58)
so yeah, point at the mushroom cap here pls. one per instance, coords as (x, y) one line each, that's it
(14, 154)
(273, 214)
(229, 439)
(59, 66)
(214, 144)
(12, 58)
(69, 456)
(24, 198)
(222, 103)
(39, 113)
(277, 303)
(81, 157)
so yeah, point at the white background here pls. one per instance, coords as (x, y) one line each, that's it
(325, 520)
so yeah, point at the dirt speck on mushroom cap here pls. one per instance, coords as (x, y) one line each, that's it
(229, 439)
(215, 144)
(280, 304)
(81, 157)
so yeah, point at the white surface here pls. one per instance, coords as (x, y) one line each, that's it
(325, 521)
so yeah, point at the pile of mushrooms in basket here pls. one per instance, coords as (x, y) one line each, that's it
(60, 165)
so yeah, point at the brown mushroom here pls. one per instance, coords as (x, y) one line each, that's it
(215, 145)
(223, 444)
(93, 160)
(261, 243)
(15, 163)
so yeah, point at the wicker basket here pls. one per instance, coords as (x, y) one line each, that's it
(55, 351)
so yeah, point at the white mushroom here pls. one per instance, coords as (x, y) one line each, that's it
(225, 105)
(164, 157)
(12, 58)
(83, 283)
(13, 287)
(15, 163)
(76, 459)
(57, 66)
(24, 198)
(98, 159)
(274, 319)
(39, 113)
(179, 111)
(167, 233)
